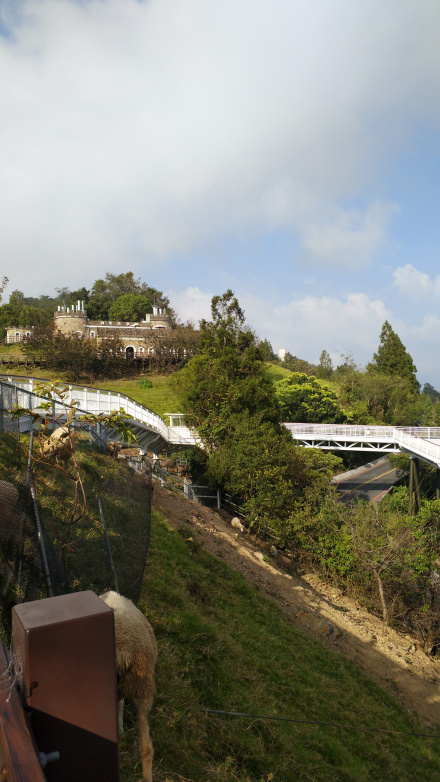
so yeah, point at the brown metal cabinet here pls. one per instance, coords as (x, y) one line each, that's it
(64, 651)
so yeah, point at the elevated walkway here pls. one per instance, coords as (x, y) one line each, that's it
(152, 432)
(419, 442)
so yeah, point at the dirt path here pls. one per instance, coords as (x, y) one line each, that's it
(315, 607)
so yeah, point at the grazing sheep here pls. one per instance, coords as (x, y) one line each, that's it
(114, 448)
(236, 524)
(136, 655)
(59, 446)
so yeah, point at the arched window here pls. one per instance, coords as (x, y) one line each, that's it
(17, 336)
(129, 352)
(92, 334)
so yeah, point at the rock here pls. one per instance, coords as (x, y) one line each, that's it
(259, 555)
(318, 624)
(273, 552)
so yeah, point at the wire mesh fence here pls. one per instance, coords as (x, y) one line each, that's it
(57, 536)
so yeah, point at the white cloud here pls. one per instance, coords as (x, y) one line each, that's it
(191, 304)
(311, 324)
(411, 282)
(134, 130)
(348, 236)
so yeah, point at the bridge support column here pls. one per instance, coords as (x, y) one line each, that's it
(415, 496)
(437, 485)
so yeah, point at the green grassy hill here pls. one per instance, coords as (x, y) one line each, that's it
(222, 645)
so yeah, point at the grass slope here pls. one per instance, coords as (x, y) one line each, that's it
(161, 398)
(223, 646)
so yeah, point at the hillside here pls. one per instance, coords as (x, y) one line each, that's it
(229, 639)
(245, 638)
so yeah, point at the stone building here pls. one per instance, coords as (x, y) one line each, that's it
(73, 321)
(18, 334)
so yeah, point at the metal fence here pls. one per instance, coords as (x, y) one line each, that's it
(48, 545)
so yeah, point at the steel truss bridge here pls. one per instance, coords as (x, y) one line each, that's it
(418, 442)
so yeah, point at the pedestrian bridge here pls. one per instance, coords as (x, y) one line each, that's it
(419, 442)
(152, 432)
(155, 435)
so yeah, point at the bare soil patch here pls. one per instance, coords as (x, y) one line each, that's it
(315, 607)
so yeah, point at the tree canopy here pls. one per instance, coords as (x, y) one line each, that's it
(227, 377)
(304, 400)
(117, 297)
(392, 358)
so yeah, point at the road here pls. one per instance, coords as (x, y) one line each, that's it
(370, 485)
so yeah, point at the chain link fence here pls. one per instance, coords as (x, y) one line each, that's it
(56, 536)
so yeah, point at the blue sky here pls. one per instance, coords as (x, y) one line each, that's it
(287, 150)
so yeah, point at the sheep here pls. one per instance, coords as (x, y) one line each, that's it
(114, 448)
(59, 446)
(136, 655)
(236, 524)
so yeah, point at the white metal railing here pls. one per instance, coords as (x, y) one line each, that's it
(416, 440)
(96, 400)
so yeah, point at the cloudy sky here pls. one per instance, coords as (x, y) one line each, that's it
(286, 149)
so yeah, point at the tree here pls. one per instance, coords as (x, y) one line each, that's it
(303, 399)
(267, 350)
(380, 398)
(105, 292)
(171, 349)
(430, 391)
(227, 377)
(3, 286)
(392, 358)
(325, 366)
(130, 306)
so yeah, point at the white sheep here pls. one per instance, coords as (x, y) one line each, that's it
(236, 524)
(136, 655)
(114, 448)
(59, 446)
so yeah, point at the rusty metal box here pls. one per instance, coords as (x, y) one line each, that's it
(64, 652)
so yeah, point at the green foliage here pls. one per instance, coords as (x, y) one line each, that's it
(267, 351)
(295, 364)
(117, 297)
(375, 397)
(325, 367)
(19, 311)
(393, 359)
(210, 625)
(430, 391)
(78, 359)
(145, 382)
(130, 306)
(303, 399)
(227, 377)
(105, 293)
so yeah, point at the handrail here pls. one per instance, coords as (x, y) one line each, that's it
(415, 440)
(97, 400)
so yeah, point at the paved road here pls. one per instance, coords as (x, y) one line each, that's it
(370, 485)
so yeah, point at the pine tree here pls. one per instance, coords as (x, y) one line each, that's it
(392, 358)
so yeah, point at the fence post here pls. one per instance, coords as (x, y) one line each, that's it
(219, 500)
